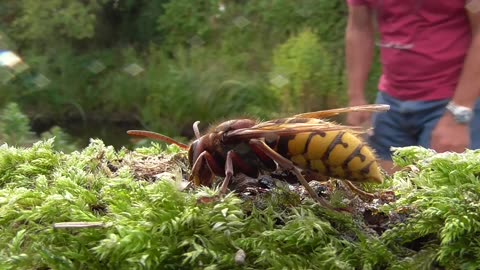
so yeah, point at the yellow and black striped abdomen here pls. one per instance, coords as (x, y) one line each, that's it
(339, 154)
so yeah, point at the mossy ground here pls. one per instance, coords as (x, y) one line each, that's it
(146, 217)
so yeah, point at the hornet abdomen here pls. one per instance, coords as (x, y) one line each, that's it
(339, 154)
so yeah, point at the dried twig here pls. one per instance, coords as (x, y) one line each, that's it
(78, 225)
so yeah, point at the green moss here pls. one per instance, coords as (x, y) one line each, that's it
(442, 192)
(153, 225)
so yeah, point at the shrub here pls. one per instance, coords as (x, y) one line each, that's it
(14, 126)
(303, 73)
(198, 85)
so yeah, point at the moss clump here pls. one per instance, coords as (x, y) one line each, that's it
(154, 225)
(442, 194)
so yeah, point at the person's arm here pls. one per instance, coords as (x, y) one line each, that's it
(449, 135)
(468, 88)
(359, 50)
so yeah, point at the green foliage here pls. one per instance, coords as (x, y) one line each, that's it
(63, 141)
(443, 193)
(15, 130)
(188, 23)
(14, 126)
(302, 72)
(46, 21)
(200, 86)
(192, 55)
(130, 21)
(93, 86)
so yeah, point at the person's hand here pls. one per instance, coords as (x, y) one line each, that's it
(359, 118)
(449, 135)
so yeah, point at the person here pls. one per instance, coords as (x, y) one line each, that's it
(430, 57)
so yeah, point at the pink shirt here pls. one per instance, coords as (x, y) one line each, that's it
(423, 46)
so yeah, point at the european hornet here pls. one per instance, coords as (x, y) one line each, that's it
(305, 142)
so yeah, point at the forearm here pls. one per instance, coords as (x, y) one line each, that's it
(468, 88)
(359, 57)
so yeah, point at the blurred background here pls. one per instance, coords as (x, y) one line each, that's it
(80, 69)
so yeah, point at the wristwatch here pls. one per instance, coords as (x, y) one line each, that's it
(462, 114)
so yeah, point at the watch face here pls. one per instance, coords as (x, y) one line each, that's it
(463, 117)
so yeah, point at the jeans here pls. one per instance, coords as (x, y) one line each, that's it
(410, 123)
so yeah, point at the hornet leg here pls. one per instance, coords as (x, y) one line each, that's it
(228, 172)
(204, 170)
(288, 164)
(358, 191)
(234, 159)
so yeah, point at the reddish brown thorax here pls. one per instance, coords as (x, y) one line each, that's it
(212, 141)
